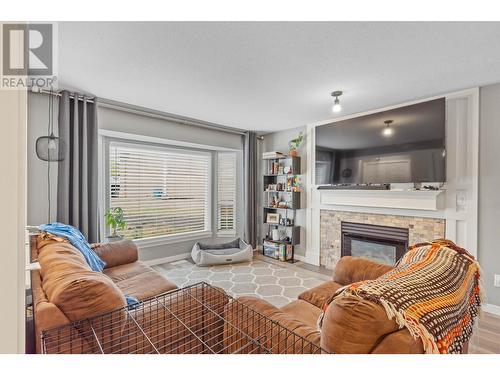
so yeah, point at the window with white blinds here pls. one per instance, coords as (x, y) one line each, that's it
(162, 191)
(226, 192)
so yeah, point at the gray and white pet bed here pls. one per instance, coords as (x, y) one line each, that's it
(231, 252)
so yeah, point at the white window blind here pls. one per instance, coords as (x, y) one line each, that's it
(162, 191)
(226, 191)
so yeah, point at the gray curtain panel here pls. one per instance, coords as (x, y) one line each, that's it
(77, 173)
(250, 164)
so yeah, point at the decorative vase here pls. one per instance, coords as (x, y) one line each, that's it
(293, 153)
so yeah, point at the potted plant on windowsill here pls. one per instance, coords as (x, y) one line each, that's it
(294, 144)
(114, 219)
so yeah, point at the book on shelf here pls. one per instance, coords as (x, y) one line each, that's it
(280, 251)
(289, 252)
(271, 249)
(273, 155)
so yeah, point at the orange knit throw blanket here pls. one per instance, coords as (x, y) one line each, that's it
(434, 291)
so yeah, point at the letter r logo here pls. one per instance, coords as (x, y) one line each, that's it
(27, 49)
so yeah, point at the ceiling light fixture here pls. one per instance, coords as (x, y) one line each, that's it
(336, 103)
(388, 131)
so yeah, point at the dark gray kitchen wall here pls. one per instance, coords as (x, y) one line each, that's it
(489, 189)
(278, 141)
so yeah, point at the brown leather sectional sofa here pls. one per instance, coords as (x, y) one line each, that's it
(65, 289)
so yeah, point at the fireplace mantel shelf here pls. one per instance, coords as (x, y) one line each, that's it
(427, 200)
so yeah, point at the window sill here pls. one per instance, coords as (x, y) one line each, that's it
(226, 234)
(165, 240)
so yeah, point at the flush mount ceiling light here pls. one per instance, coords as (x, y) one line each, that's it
(336, 103)
(388, 131)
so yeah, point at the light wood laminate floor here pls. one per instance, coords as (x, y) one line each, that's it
(486, 338)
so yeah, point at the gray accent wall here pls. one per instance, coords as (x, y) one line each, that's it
(125, 122)
(37, 187)
(489, 189)
(120, 121)
(279, 142)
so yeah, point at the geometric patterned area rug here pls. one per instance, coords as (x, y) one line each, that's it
(276, 284)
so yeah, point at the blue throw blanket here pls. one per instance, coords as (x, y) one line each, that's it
(131, 300)
(78, 240)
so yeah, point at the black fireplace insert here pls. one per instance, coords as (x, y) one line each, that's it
(379, 243)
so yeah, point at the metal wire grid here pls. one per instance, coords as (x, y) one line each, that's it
(198, 319)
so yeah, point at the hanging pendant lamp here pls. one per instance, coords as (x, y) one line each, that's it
(50, 148)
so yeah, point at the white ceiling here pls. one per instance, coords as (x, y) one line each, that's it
(274, 76)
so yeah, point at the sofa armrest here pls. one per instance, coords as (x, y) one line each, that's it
(399, 342)
(47, 316)
(321, 294)
(263, 330)
(117, 253)
(350, 270)
(355, 326)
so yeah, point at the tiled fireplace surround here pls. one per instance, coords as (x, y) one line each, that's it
(420, 229)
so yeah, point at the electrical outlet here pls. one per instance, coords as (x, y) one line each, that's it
(497, 281)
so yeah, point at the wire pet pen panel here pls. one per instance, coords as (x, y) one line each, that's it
(198, 319)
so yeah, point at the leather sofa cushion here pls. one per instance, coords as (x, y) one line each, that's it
(321, 294)
(116, 253)
(47, 239)
(352, 325)
(72, 286)
(47, 314)
(303, 311)
(352, 269)
(60, 258)
(138, 280)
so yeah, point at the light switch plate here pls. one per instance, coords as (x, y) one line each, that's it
(497, 281)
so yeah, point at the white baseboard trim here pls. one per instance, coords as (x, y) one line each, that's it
(173, 258)
(492, 309)
(300, 258)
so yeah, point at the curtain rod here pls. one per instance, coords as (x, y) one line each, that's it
(72, 95)
(113, 104)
